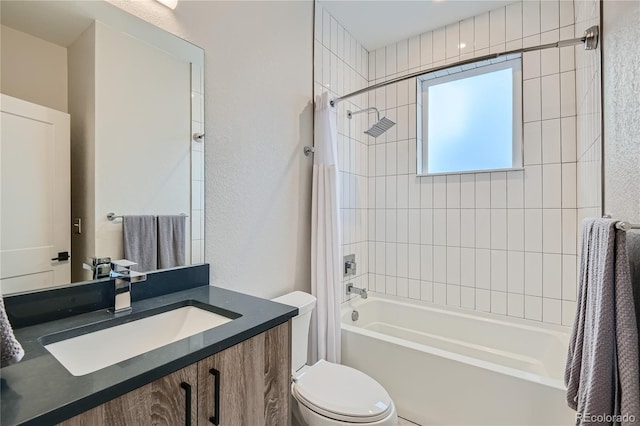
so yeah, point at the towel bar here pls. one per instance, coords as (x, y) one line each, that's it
(112, 216)
(623, 225)
(627, 226)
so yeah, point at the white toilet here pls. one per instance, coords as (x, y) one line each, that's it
(326, 393)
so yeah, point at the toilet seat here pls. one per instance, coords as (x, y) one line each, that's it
(342, 393)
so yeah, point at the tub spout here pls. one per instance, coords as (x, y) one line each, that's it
(355, 290)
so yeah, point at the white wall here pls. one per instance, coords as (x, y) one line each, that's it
(621, 68)
(33, 69)
(589, 116)
(258, 117)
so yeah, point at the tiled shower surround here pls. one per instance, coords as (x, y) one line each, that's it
(341, 66)
(501, 242)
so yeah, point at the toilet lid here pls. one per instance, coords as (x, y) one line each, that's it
(342, 393)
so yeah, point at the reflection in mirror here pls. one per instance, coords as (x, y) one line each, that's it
(99, 109)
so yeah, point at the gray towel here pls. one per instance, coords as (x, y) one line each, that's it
(633, 251)
(171, 241)
(10, 349)
(141, 242)
(602, 364)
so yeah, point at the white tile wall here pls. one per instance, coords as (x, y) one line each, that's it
(503, 242)
(196, 218)
(481, 219)
(342, 65)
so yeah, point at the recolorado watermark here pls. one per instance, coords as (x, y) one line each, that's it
(605, 418)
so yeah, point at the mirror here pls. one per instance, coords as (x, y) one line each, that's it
(102, 113)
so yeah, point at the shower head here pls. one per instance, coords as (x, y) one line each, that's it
(379, 127)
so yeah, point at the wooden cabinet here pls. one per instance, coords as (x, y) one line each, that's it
(170, 401)
(247, 384)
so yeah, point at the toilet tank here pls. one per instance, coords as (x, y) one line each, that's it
(300, 325)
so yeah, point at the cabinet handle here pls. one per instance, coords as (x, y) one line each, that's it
(187, 403)
(215, 419)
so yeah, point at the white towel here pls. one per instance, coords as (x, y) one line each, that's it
(602, 364)
(10, 349)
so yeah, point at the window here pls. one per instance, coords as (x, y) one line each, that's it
(471, 117)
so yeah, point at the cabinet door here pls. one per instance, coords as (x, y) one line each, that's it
(247, 384)
(170, 401)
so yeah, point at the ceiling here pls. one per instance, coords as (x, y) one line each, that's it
(62, 22)
(376, 23)
(57, 22)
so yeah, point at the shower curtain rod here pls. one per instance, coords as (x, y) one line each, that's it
(589, 39)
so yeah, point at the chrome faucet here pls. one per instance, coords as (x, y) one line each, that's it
(355, 290)
(100, 267)
(124, 276)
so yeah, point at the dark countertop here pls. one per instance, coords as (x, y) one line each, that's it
(39, 390)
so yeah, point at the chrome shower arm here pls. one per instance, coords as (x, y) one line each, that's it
(351, 113)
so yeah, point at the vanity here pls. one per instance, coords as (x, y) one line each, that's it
(235, 373)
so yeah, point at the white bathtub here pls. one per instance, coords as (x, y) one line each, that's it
(447, 366)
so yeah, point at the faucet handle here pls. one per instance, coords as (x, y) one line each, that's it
(122, 268)
(122, 265)
(349, 288)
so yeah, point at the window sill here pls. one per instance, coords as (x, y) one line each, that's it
(467, 172)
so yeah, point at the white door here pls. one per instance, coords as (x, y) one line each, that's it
(35, 205)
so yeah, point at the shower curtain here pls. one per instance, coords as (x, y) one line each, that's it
(325, 236)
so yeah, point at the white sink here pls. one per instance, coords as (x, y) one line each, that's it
(93, 351)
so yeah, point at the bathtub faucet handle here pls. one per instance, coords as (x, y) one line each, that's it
(355, 290)
(349, 265)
